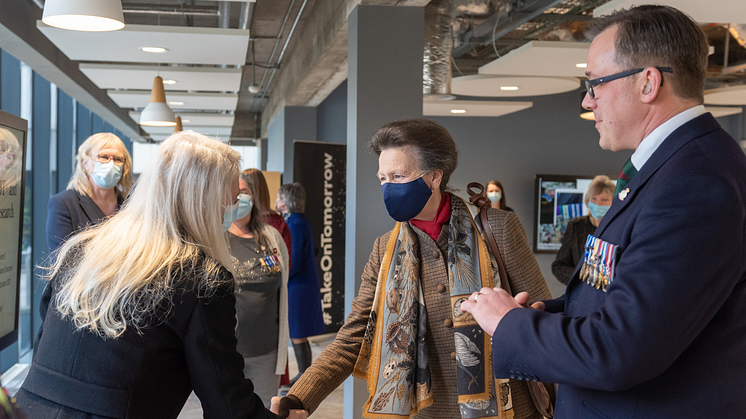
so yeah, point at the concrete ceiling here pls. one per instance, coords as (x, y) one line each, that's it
(298, 49)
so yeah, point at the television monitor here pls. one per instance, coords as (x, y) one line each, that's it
(12, 185)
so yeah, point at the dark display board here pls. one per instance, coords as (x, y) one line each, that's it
(557, 200)
(12, 182)
(322, 170)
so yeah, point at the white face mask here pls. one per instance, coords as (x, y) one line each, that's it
(106, 175)
(494, 196)
(229, 216)
(244, 206)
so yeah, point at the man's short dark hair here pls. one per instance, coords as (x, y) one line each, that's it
(659, 36)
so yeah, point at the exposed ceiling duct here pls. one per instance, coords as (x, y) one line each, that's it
(439, 20)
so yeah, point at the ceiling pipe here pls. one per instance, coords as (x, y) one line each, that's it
(284, 47)
(189, 12)
(274, 49)
(224, 14)
(436, 72)
(246, 15)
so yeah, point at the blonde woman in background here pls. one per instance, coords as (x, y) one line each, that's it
(143, 310)
(101, 181)
(598, 199)
(10, 163)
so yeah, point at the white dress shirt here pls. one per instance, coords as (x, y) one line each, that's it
(651, 143)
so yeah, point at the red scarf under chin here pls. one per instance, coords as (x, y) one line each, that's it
(432, 228)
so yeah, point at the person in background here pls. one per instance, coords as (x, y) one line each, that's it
(598, 200)
(143, 304)
(304, 291)
(10, 162)
(100, 182)
(496, 194)
(406, 334)
(266, 214)
(652, 325)
(260, 268)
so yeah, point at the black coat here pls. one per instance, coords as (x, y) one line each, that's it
(69, 212)
(78, 374)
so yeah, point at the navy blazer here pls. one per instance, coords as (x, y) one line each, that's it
(668, 338)
(69, 212)
(190, 346)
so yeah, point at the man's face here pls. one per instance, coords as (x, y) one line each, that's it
(618, 113)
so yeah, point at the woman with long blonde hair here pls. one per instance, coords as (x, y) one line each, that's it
(142, 309)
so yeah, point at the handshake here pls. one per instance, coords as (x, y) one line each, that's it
(288, 407)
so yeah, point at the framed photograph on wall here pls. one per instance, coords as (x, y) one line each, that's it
(557, 200)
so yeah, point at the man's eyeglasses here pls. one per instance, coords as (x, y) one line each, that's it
(103, 158)
(590, 84)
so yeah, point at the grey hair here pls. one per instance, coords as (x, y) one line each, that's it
(295, 197)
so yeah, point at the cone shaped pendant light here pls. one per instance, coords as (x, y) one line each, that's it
(157, 113)
(84, 15)
(178, 126)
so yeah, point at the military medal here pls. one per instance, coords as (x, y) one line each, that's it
(270, 264)
(598, 263)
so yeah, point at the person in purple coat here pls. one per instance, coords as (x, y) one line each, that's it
(304, 292)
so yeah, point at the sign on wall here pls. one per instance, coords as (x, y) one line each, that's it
(12, 180)
(321, 169)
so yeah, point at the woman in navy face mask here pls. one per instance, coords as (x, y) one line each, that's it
(406, 335)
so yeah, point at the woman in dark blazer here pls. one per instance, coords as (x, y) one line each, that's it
(97, 188)
(304, 291)
(143, 310)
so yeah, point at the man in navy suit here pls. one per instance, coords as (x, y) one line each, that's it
(653, 322)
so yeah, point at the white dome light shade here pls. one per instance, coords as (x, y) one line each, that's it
(84, 15)
(157, 113)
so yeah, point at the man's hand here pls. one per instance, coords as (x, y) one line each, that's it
(490, 305)
(288, 407)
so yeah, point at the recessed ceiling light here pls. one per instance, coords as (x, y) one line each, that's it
(175, 103)
(458, 110)
(508, 87)
(156, 50)
(184, 121)
(169, 81)
(581, 65)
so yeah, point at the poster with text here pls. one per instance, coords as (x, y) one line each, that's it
(12, 159)
(321, 168)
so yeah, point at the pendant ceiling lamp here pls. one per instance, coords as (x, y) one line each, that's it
(84, 15)
(157, 113)
(178, 126)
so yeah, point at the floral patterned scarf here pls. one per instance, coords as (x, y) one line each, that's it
(393, 358)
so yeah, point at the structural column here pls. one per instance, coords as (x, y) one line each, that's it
(385, 49)
(292, 123)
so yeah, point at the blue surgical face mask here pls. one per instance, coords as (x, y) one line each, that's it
(598, 211)
(494, 196)
(106, 175)
(405, 200)
(244, 206)
(229, 216)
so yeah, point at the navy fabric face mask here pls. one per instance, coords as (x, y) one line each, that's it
(405, 200)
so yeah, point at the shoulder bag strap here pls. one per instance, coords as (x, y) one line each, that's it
(483, 203)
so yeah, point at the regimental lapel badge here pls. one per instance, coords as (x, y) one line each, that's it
(623, 194)
(598, 263)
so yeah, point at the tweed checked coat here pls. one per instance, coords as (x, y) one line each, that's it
(336, 363)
